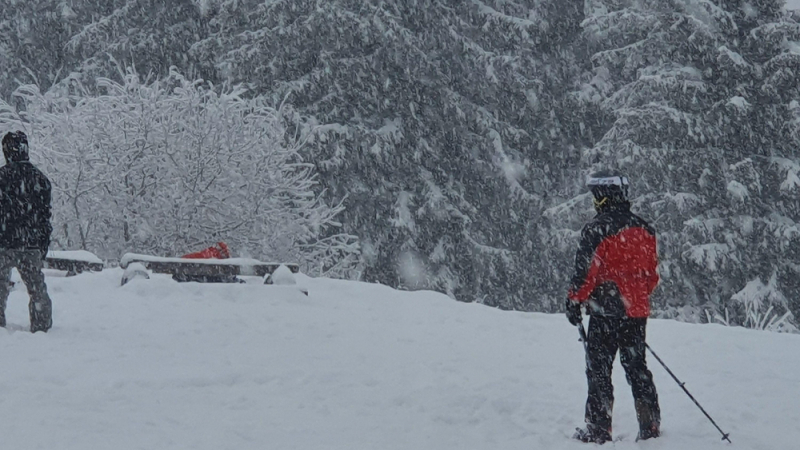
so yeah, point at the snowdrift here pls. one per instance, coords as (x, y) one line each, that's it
(160, 365)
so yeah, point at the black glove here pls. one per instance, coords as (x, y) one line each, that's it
(574, 313)
(44, 245)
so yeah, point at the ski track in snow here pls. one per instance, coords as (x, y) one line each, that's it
(161, 365)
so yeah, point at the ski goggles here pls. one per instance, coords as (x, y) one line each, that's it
(607, 181)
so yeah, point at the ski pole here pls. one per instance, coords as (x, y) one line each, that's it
(583, 339)
(582, 331)
(682, 385)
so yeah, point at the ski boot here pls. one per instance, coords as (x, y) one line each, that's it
(592, 433)
(41, 317)
(648, 432)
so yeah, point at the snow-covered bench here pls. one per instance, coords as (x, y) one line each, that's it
(73, 261)
(205, 270)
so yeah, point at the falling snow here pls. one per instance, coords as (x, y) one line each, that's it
(436, 145)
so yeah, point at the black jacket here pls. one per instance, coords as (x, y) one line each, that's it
(616, 266)
(25, 194)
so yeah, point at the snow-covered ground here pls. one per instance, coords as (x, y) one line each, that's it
(160, 365)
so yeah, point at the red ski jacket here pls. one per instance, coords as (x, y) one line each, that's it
(616, 264)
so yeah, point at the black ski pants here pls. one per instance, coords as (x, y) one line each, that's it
(29, 264)
(606, 336)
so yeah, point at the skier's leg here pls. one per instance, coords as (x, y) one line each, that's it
(29, 264)
(632, 356)
(602, 346)
(5, 285)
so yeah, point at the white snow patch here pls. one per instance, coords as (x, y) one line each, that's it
(67, 13)
(404, 217)
(738, 191)
(709, 256)
(205, 6)
(512, 170)
(163, 365)
(739, 102)
(332, 128)
(75, 255)
(759, 300)
(683, 200)
(563, 210)
(392, 130)
(133, 271)
(704, 12)
(412, 270)
(791, 182)
(735, 57)
(435, 200)
(130, 257)
(282, 276)
(749, 10)
(793, 47)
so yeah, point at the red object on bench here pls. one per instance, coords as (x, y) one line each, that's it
(219, 251)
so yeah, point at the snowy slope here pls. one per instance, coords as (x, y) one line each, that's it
(158, 365)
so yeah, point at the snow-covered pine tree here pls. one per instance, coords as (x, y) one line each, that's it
(700, 110)
(776, 49)
(441, 121)
(454, 130)
(44, 41)
(32, 37)
(150, 35)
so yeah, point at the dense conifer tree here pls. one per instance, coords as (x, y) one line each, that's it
(702, 119)
(460, 132)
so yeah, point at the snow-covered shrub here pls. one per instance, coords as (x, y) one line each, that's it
(170, 166)
(758, 306)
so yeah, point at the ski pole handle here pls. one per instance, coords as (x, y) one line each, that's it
(585, 341)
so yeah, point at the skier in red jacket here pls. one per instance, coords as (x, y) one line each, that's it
(615, 273)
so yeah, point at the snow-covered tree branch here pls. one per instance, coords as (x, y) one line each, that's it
(170, 166)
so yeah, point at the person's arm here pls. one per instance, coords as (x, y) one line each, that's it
(5, 201)
(652, 269)
(587, 266)
(45, 214)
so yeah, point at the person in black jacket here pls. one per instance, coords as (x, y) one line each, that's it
(24, 229)
(615, 273)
